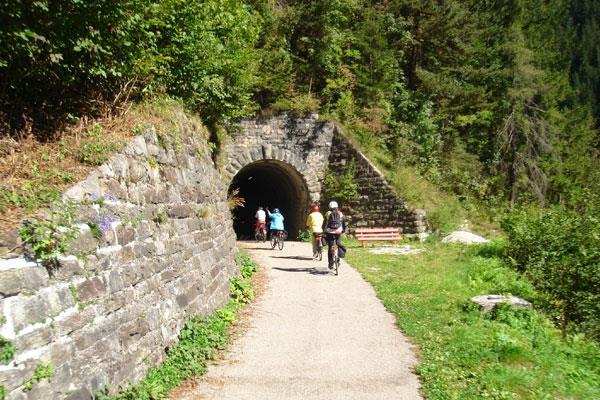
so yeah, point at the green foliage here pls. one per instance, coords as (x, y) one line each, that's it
(36, 192)
(58, 60)
(42, 371)
(95, 150)
(247, 265)
(160, 216)
(95, 230)
(558, 251)
(241, 290)
(341, 187)
(467, 354)
(7, 351)
(302, 103)
(209, 46)
(152, 162)
(3, 392)
(49, 234)
(304, 235)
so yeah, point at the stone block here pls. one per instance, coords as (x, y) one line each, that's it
(27, 310)
(13, 377)
(114, 187)
(73, 321)
(91, 289)
(79, 394)
(84, 242)
(115, 283)
(69, 267)
(181, 211)
(37, 338)
(144, 249)
(136, 147)
(14, 281)
(10, 244)
(132, 332)
(126, 255)
(125, 234)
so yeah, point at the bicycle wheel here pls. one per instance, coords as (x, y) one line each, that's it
(336, 265)
(320, 253)
(280, 243)
(257, 236)
(273, 241)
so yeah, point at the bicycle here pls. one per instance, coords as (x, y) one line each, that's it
(318, 255)
(260, 233)
(336, 259)
(277, 240)
(334, 253)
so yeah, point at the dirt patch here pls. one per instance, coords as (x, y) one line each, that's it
(399, 251)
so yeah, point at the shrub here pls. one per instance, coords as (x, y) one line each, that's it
(7, 351)
(49, 234)
(304, 235)
(558, 250)
(341, 187)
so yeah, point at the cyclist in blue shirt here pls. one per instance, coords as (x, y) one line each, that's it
(276, 221)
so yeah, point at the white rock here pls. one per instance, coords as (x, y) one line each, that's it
(464, 237)
(488, 302)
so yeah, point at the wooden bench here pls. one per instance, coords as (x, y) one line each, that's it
(364, 235)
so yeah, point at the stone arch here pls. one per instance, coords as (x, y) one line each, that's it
(271, 183)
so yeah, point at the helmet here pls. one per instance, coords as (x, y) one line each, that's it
(276, 210)
(333, 204)
(314, 207)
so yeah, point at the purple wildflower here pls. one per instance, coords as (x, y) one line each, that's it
(109, 196)
(105, 221)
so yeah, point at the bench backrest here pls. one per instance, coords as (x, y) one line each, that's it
(374, 233)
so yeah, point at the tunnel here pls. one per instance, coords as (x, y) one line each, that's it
(270, 184)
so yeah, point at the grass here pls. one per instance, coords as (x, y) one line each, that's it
(34, 174)
(465, 354)
(444, 210)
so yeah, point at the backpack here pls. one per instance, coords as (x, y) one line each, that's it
(334, 221)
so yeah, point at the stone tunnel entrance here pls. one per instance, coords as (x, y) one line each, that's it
(272, 184)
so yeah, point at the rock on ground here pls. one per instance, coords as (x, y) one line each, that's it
(488, 302)
(464, 237)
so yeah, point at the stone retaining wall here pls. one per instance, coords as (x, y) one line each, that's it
(377, 205)
(116, 303)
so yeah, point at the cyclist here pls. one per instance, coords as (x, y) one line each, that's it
(334, 227)
(314, 222)
(276, 221)
(261, 217)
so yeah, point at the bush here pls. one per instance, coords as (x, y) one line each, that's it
(59, 60)
(341, 186)
(558, 250)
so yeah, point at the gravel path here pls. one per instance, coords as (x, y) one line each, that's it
(313, 335)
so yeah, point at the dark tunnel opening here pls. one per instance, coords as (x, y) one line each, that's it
(272, 184)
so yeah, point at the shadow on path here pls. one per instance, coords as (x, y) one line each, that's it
(303, 258)
(312, 271)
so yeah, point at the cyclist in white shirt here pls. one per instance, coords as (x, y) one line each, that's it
(261, 218)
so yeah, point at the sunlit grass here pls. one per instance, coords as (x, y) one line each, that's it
(466, 354)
